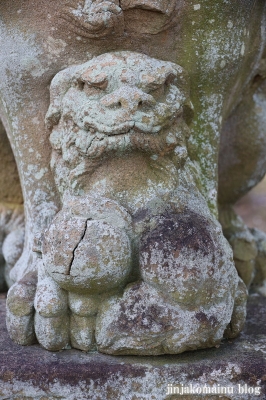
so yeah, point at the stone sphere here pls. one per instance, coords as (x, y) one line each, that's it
(87, 256)
(185, 257)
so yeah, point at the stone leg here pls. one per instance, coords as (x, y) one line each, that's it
(11, 211)
(84, 261)
(11, 240)
(39, 205)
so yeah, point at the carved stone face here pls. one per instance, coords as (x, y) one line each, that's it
(118, 101)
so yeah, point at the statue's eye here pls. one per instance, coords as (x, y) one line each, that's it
(100, 84)
(171, 78)
(89, 88)
(92, 87)
(95, 88)
(80, 84)
(159, 93)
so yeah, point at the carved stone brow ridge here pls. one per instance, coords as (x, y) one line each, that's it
(162, 6)
(99, 18)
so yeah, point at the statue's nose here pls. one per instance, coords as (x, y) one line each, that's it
(128, 98)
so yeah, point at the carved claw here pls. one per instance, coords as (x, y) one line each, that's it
(84, 309)
(20, 310)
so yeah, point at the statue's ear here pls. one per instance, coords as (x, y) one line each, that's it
(188, 112)
(182, 80)
(52, 117)
(60, 84)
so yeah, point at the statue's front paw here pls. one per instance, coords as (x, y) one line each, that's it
(84, 261)
(187, 296)
(64, 319)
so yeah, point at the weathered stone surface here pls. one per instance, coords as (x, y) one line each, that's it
(141, 92)
(251, 207)
(33, 373)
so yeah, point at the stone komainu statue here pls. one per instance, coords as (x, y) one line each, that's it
(119, 114)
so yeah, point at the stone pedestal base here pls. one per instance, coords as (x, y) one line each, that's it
(237, 366)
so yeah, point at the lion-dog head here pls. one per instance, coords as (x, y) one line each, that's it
(116, 102)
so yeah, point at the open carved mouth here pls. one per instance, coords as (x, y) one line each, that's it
(130, 139)
(146, 124)
(124, 128)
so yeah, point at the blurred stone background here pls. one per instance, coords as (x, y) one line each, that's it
(252, 207)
